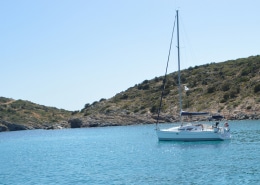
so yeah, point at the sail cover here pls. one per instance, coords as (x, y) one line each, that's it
(184, 113)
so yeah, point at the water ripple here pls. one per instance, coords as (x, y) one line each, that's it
(128, 155)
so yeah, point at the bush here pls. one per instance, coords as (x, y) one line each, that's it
(94, 103)
(204, 82)
(87, 105)
(242, 79)
(145, 81)
(74, 112)
(257, 88)
(232, 93)
(246, 71)
(146, 87)
(124, 97)
(225, 97)
(166, 92)
(156, 79)
(143, 87)
(211, 89)
(4, 100)
(225, 87)
(154, 109)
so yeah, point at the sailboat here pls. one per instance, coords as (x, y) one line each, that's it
(189, 131)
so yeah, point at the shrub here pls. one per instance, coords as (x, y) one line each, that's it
(87, 105)
(102, 99)
(233, 93)
(124, 97)
(166, 92)
(74, 112)
(225, 97)
(211, 89)
(225, 87)
(146, 87)
(94, 103)
(257, 88)
(204, 82)
(154, 109)
(4, 100)
(246, 71)
(156, 79)
(143, 87)
(145, 81)
(142, 107)
(242, 79)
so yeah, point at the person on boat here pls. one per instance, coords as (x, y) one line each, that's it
(200, 125)
(216, 125)
(226, 127)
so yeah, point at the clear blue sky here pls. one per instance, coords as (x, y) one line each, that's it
(66, 53)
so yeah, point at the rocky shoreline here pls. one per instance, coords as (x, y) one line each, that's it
(102, 120)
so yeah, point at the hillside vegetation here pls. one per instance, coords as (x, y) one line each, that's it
(230, 88)
(20, 115)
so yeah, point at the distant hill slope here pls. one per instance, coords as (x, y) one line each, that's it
(20, 115)
(230, 88)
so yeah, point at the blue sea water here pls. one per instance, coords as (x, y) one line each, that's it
(128, 155)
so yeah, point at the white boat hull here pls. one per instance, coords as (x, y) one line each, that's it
(174, 134)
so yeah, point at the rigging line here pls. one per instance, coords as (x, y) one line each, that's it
(164, 80)
(188, 52)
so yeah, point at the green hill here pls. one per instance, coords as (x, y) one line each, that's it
(230, 88)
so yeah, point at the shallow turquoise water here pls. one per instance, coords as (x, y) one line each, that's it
(128, 155)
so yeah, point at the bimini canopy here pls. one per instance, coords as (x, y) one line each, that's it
(184, 113)
(217, 117)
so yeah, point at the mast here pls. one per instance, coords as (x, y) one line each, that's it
(179, 73)
(164, 80)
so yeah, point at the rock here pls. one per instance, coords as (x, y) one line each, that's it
(75, 123)
(12, 126)
(52, 127)
(3, 128)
